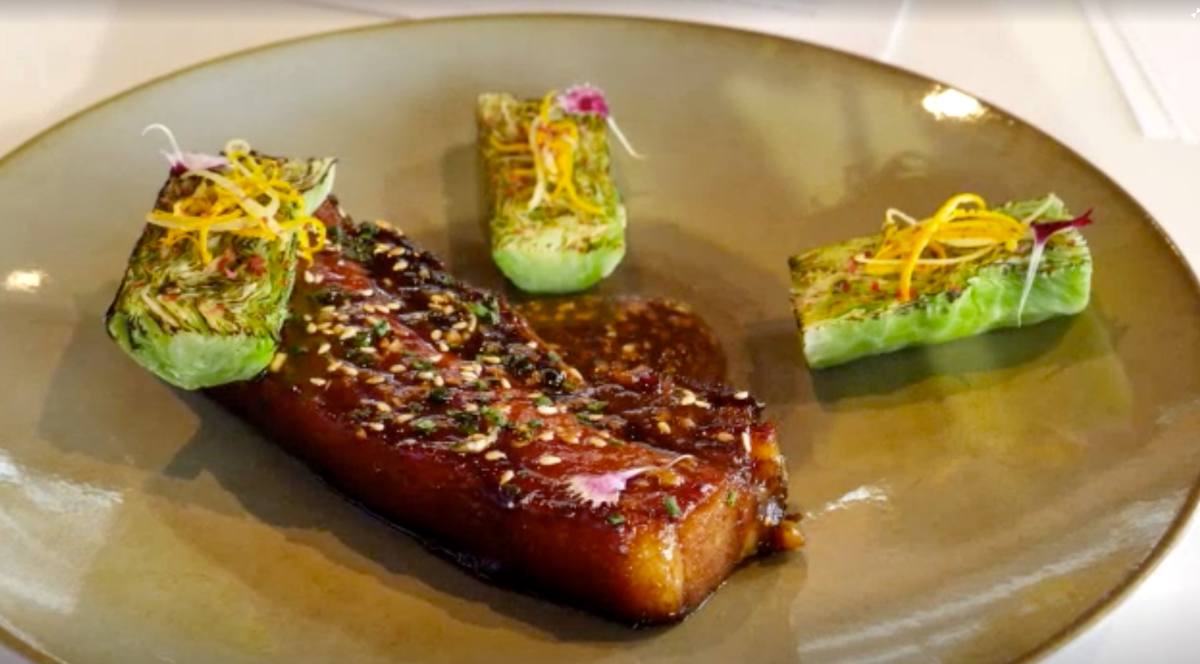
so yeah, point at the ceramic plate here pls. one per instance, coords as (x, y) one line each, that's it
(978, 501)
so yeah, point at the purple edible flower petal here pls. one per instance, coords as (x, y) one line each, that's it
(1041, 235)
(182, 162)
(584, 99)
(606, 488)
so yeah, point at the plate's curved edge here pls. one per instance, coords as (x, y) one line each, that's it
(1084, 621)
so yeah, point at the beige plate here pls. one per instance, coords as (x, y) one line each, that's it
(978, 501)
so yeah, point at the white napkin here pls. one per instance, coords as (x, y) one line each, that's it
(867, 27)
(1153, 50)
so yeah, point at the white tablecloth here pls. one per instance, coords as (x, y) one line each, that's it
(1039, 61)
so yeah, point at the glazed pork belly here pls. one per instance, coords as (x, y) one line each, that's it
(436, 406)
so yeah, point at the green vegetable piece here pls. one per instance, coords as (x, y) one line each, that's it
(554, 245)
(196, 325)
(846, 314)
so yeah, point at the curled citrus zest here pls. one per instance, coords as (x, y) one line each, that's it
(550, 146)
(248, 197)
(962, 230)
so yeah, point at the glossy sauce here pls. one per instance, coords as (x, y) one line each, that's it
(601, 336)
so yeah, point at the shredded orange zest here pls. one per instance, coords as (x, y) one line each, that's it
(550, 146)
(962, 230)
(249, 198)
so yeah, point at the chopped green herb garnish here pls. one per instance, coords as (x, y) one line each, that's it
(421, 364)
(672, 507)
(596, 406)
(493, 416)
(424, 425)
(297, 350)
(381, 328)
(616, 519)
(535, 424)
(730, 498)
(467, 422)
(439, 395)
(543, 401)
(485, 314)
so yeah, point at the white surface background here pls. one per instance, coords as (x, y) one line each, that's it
(1040, 61)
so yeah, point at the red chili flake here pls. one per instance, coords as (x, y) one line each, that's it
(875, 286)
(256, 265)
(845, 286)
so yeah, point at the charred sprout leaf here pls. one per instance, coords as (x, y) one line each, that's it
(197, 324)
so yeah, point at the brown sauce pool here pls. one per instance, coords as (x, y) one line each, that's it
(600, 335)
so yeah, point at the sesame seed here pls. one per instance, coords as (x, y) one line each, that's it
(376, 380)
(547, 410)
(369, 308)
(277, 362)
(531, 344)
(424, 273)
(494, 455)
(546, 436)
(380, 248)
(400, 265)
(394, 306)
(471, 407)
(489, 359)
(360, 434)
(367, 350)
(307, 318)
(324, 348)
(741, 396)
(404, 417)
(594, 417)
(333, 366)
(319, 382)
(629, 348)
(425, 375)
(746, 441)
(350, 333)
(383, 224)
(308, 277)
(549, 460)
(396, 368)
(349, 370)
(506, 477)
(703, 404)
(725, 437)
(688, 398)
(311, 328)
(663, 427)
(435, 335)
(435, 358)
(439, 381)
(366, 292)
(505, 384)
(375, 426)
(328, 309)
(443, 346)
(460, 325)
(596, 441)
(398, 251)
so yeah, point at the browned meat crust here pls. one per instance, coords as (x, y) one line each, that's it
(436, 406)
